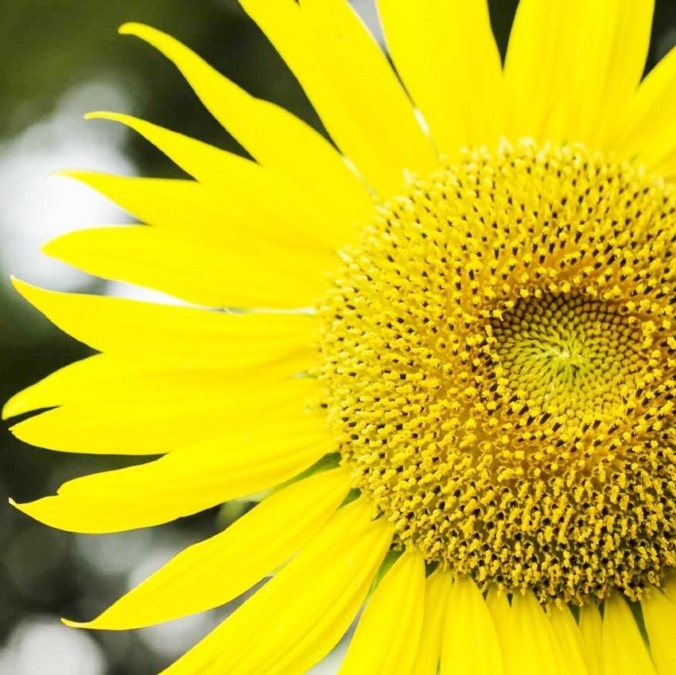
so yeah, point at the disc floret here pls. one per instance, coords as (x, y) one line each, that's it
(499, 360)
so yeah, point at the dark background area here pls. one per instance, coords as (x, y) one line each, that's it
(60, 58)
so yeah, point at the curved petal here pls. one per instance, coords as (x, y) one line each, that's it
(179, 334)
(274, 137)
(192, 406)
(246, 274)
(534, 643)
(642, 127)
(591, 629)
(569, 637)
(298, 616)
(184, 482)
(572, 65)
(437, 588)
(624, 651)
(111, 378)
(500, 610)
(215, 571)
(250, 250)
(257, 187)
(660, 156)
(670, 586)
(368, 115)
(388, 632)
(470, 643)
(212, 215)
(659, 613)
(447, 57)
(529, 642)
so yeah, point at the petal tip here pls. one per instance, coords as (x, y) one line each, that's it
(38, 297)
(142, 31)
(50, 247)
(23, 288)
(74, 624)
(105, 115)
(95, 115)
(40, 511)
(67, 173)
(20, 507)
(131, 28)
(17, 429)
(13, 407)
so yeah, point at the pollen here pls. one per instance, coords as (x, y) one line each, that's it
(499, 361)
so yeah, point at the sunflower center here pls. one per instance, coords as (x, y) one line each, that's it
(568, 354)
(499, 360)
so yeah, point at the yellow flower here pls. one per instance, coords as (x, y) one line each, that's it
(466, 419)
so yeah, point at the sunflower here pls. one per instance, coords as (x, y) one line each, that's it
(443, 346)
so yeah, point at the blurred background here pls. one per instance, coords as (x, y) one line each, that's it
(61, 59)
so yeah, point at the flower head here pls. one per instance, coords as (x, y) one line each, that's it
(467, 424)
(496, 356)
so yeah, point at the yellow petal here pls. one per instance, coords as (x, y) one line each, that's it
(230, 237)
(447, 57)
(569, 637)
(572, 65)
(180, 334)
(659, 155)
(529, 644)
(214, 215)
(298, 617)
(184, 482)
(591, 630)
(158, 424)
(619, 36)
(670, 586)
(659, 613)
(129, 378)
(204, 162)
(624, 651)
(470, 643)
(368, 116)
(437, 589)
(642, 126)
(388, 632)
(215, 571)
(246, 275)
(329, 217)
(274, 137)
(501, 612)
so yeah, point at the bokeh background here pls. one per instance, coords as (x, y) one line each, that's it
(58, 60)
